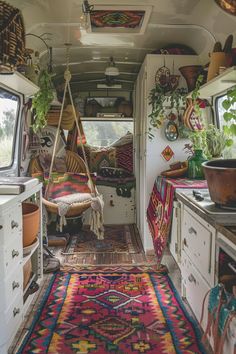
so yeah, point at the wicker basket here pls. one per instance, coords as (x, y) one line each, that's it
(12, 37)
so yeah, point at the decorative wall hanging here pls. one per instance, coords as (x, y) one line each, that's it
(167, 153)
(228, 6)
(119, 19)
(167, 81)
(171, 131)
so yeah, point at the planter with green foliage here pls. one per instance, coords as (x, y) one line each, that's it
(42, 100)
(229, 104)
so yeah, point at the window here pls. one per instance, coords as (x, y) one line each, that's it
(230, 152)
(9, 106)
(104, 133)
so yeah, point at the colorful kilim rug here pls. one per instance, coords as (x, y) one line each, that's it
(117, 239)
(106, 311)
(160, 208)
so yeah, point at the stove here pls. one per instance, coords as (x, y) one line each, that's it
(202, 199)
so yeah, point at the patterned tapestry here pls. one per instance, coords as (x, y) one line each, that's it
(112, 312)
(160, 208)
(116, 18)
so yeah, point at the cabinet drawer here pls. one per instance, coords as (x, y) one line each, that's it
(194, 288)
(199, 244)
(10, 256)
(11, 320)
(10, 225)
(12, 287)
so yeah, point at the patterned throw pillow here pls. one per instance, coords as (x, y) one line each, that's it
(124, 157)
(67, 183)
(102, 157)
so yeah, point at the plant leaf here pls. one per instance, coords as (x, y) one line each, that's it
(226, 104)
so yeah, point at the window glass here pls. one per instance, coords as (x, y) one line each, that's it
(229, 152)
(9, 104)
(104, 133)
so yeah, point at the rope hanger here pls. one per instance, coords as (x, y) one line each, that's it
(67, 77)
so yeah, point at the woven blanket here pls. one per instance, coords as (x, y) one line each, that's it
(160, 208)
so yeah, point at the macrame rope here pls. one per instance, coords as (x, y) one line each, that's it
(67, 77)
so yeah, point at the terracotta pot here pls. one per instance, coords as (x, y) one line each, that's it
(191, 73)
(221, 176)
(217, 59)
(30, 223)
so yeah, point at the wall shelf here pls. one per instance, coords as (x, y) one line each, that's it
(219, 84)
(19, 83)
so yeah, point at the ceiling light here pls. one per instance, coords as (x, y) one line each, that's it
(112, 70)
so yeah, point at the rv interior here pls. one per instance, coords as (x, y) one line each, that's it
(118, 176)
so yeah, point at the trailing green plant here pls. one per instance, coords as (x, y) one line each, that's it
(42, 100)
(157, 99)
(229, 104)
(196, 95)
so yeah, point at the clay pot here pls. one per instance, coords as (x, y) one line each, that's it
(221, 176)
(217, 59)
(30, 223)
(191, 73)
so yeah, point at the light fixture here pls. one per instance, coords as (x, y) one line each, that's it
(112, 70)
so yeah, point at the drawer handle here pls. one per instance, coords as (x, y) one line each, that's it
(15, 285)
(16, 311)
(15, 253)
(14, 224)
(192, 279)
(1, 227)
(191, 230)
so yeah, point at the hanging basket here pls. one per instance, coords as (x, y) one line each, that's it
(12, 38)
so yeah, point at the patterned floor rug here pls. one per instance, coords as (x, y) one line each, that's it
(117, 239)
(112, 310)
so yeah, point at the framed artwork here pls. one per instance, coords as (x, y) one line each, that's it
(228, 6)
(167, 153)
(119, 19)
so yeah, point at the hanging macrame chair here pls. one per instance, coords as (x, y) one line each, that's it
(74, 164)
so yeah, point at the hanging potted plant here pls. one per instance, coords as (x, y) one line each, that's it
(42, 100)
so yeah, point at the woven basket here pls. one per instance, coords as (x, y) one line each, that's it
(12, 37)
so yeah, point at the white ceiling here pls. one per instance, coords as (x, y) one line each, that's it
(196, 23)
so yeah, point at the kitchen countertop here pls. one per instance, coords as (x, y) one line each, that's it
(228, 231)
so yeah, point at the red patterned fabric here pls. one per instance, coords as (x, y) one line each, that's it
(160, 208)
(124, 157)
(116, 311)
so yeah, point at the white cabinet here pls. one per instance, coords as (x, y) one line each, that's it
(198, 242)
(13, 299)
(175, 234)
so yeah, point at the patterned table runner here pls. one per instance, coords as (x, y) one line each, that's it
(160, 208)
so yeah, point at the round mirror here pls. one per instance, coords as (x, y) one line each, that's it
(171, 131)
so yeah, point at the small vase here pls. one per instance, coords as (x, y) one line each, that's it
(191, 73)
(195, 170)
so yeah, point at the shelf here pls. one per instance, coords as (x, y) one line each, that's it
(219, 84)
(19, 83)
(29, 255)
(97, 119)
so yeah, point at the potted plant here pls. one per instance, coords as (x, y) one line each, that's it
(42, 100)
(221, 174)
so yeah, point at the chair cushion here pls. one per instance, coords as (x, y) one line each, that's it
(67, 183)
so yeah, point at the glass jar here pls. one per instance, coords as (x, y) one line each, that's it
(195, 170)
